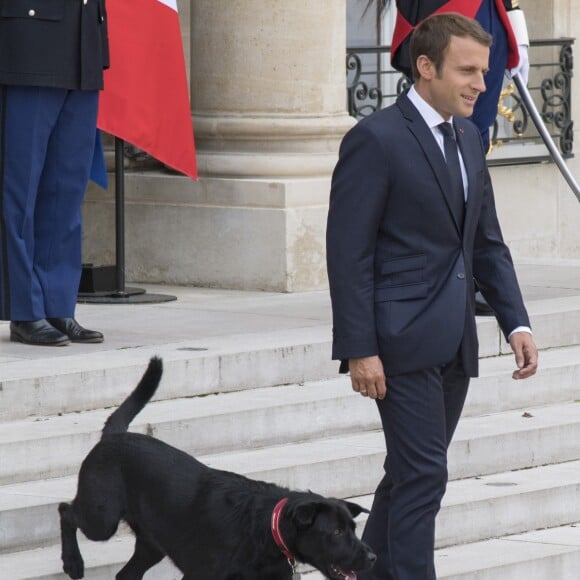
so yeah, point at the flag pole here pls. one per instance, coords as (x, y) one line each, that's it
(116, 292)
(119, 217)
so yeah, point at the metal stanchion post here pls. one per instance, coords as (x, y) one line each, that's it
(118, 293)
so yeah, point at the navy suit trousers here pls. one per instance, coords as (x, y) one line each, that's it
(47, 144)
(419, 416)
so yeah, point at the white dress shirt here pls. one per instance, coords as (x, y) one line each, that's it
(433, 120)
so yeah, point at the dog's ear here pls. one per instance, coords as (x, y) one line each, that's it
(305, 513)
(355, 509)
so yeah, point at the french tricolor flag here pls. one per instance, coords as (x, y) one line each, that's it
(145, 100)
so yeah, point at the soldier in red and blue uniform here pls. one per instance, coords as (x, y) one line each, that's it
(503, 19)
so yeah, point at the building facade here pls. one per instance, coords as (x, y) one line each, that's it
(268, 96)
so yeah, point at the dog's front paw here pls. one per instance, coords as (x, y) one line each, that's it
(74, 567)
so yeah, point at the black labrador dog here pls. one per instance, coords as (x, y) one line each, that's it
(214, 525)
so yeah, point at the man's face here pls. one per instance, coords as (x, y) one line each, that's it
(455, 88)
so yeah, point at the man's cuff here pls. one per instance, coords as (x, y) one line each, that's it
(520, 329)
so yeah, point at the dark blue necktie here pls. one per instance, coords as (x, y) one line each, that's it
(456, 195)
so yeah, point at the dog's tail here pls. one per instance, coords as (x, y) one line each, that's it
(119, 421)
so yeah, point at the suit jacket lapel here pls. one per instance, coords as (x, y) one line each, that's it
(433, 153)
(468, 153)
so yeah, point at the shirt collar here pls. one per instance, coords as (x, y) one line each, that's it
(429, 114)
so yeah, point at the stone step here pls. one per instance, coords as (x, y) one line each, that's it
(478, 512)
(102, 561)
(557, 380)
(343, 466)
(490, 506)
(351, 464)
(92, 380)
(537, 555)
(250, 412)
(40, 447)
(53, 446)
(68, 384)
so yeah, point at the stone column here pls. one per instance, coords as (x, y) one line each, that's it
(184, 8)
(268, 101)
(268, 86)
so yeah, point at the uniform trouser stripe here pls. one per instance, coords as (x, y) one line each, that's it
(4, 276)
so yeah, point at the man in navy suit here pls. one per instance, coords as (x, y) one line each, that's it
(52, 56)
(411, 224)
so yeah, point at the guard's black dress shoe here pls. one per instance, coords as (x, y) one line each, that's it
(37, 332)
(75, 331)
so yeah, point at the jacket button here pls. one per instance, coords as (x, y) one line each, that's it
(32, 13)
(461, 276)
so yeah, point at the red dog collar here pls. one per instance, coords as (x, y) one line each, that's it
(276, 514)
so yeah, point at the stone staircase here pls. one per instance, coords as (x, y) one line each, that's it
(270, 406)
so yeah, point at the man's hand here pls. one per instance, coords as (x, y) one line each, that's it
(526, 353)
(368, 377)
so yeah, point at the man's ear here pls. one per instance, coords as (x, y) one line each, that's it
(425, 67)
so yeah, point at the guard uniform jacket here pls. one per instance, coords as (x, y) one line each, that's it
(411, 12)
(53, 43)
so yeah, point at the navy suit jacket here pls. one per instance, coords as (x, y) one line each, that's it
(400, 267)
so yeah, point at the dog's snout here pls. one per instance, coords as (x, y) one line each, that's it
(372, 558)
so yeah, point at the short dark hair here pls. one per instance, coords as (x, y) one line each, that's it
(433, 35)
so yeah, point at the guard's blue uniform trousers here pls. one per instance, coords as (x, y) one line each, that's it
(40, 211)
(485, 110)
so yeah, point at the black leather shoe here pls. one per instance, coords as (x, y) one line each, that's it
(482, 308)
(75, 331)
(37, 332)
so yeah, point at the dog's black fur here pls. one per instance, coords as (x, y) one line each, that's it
(214, 525)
